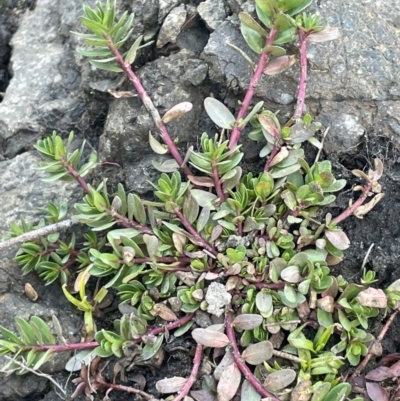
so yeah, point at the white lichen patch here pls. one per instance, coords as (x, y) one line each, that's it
(217, 298)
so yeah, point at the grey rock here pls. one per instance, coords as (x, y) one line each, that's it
(170, 80)
(212, 12)
(44, 91)
(347, 121)
(23, 192)
(172, 26)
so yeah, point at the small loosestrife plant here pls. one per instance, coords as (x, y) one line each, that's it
(253, 251)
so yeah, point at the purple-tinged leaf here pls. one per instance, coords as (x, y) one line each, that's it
(210, 338)
(329, 33)
(226, 361)
(247, 321)
(380, 374)
(203, 395)
(338, 239)
(229, 383)
(372, 297)
(279, 65)
(377, 392)
(280, 379)
(258, 353)
(394, 370)
(171, 385)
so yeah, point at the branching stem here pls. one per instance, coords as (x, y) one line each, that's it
(351, 209)
(237, 130)
(241, 364)
(193, 232)
(120, 387)
(217, 183)
(382, 334)
(193, 374)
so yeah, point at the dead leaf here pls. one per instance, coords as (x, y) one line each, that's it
(394, 370)
(329, 33)
(372, 297)
(210, 338)
(121, 94)
(279, 65)
(379, 374)
(201, 181)
(248, 321)
(164, 312)
(258, 353)
(171, 385)
(177, 111)
(300, 392)
(361, 211)
(229, 383)
(377, 392)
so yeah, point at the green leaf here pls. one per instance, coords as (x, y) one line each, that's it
(46, 334)
(248, 21)
(149, 350)
(131, 55)
(94, 53)
(254, 40)
(25, 330)
(301, 5)
(169, 166)
(276, 51)
(219, 113)
(156, 146)
(203, 198)
(339, 392)
(106, 66)
(283, 172)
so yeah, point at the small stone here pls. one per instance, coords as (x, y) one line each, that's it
(217, 298)
(212, 12)
(172, 26)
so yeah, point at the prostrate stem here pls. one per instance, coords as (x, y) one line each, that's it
(301, 95)
(242, 365)
(193, 374)
(235, 135)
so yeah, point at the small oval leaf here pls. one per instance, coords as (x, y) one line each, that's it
(248, 321)
(210, 338)
(219, 113)
(258, 353)
(177, 111)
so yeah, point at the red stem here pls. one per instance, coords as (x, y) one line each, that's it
(235, 135)
(301, 95)
(90, 345)
(242, 365)
(193, 232)
(120, 387)
(351, 209)
(273, 153)
(76, 176)
(163, 259)
(125, 222)
(193, 374)
(170, 326)
(135, 81)
(217, 183)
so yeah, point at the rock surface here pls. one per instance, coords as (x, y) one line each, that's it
(353, 88)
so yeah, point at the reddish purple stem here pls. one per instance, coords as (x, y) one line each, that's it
(351, 209)
(76, 176)
(301, 95)
(273, 153)
(242, 365)
(193, 374)
(135, 81)
(217, 183)
(237, 130)
(193, 232)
